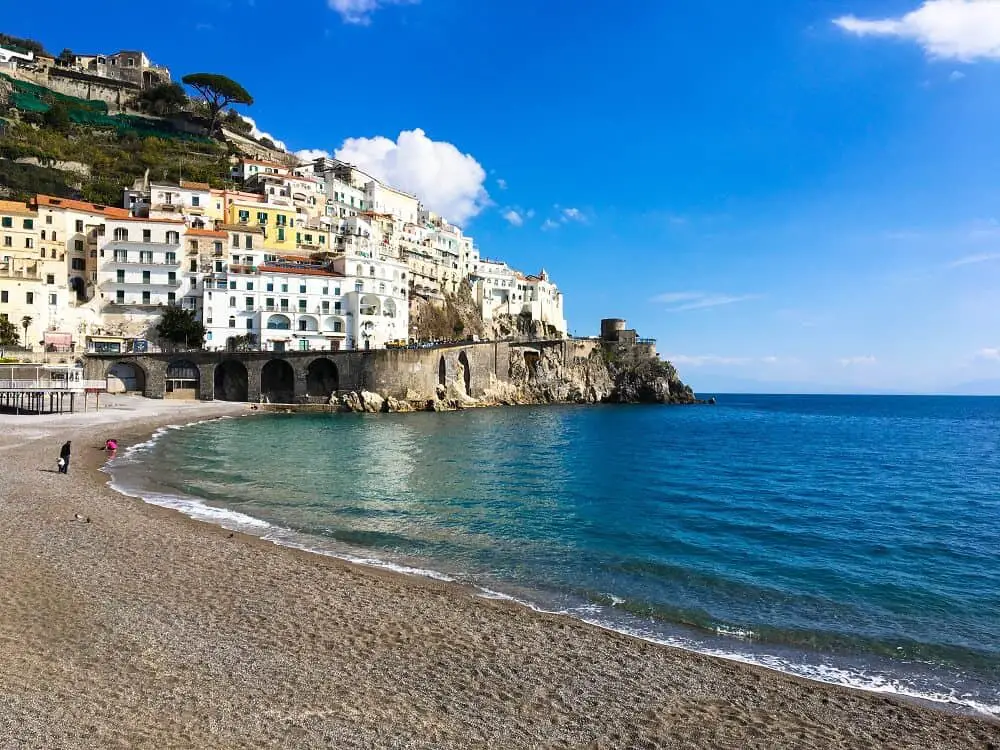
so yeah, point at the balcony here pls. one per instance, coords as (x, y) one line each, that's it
(148, 261)
(114, 283)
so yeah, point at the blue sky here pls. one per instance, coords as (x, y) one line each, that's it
(797, 196)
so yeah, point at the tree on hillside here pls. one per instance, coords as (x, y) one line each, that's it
(180, 326)
(67, 55)
(219, 92)
(234, 122)
(165, 99)
(57, 117)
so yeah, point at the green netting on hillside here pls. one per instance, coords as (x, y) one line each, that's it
(48, 96)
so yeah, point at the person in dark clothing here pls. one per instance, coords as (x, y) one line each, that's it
(64, 458)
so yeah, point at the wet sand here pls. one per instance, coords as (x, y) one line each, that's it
(144, 628)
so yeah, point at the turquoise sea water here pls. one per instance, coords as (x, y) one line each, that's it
(850, 539)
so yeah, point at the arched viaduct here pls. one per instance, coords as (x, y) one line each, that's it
(313, 376)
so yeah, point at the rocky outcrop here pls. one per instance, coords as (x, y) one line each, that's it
(547, 375)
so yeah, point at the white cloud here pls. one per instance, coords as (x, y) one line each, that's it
(549, 224)
(990, 353)
(857, 361)
(501, 183)
(964, 30)
(514, 218)
(311, 154)
(681, 301)
(257, 133)
(969, 260)
(360, 11)
(530, 213)
(573, 214)
(446, 180)
(956, 75)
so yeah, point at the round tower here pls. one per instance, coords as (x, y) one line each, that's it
(610, 328)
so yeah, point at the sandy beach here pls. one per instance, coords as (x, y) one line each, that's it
(143, 628)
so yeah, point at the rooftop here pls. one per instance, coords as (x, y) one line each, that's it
(16, 207)
(71, 205)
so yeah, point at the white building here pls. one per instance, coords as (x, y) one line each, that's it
(139, 272)
(190, 201)
(294, 305)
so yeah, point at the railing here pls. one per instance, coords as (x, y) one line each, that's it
(51, 385)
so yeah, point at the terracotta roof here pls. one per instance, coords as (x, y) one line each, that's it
(71, 205)
(298, 271)
(206, 233)
(195, 185)
(143, 220)
(16, 207)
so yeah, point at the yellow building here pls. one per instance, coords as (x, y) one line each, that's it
(22, 275)
(277, 222)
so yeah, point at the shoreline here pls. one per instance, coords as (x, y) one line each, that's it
(427, 663)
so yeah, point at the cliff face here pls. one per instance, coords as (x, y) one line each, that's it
(574, 373)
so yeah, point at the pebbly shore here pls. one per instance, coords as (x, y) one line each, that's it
(141, 628)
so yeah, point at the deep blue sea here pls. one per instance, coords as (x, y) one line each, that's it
(854, 540)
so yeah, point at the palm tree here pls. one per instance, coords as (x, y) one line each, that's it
(25, 322)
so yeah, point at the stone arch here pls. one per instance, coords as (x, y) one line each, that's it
(232, 381)
(277, 382)
(183, 380)
(463, 359)
(442, 371)
(126, 377)
(322, 379)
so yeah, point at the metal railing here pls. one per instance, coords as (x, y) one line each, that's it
(48, 384)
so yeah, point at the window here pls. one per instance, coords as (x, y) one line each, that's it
(78, 245)
(48, 218)
(30, 298)
(219, 265)
(249, 286)
(281, 234)
(303, 345)
(249, 242)
(146, 298)
(338, 326)
(147, 235)
(236, 240)
(54, 239)
(145, 277)
(145, 256)
(121, 256)
(53, 299)
(193, 245)
(302, 325)
(336, 292)
(302, 305)
(326, 290)
(28, 242)
(194, 265)
(284, 305)
(284, 288)
(29, 223)
(79, 225)
(121, 235)
(173, 238)
(77, 264)
(302, 288)
(3, 297)
(249, 324)
(120, 277)
(270, 286)
(171, 257)
(217, 247)
(171, 298)
(195, 200)
(43, 234)
(326, 306)
(381, 288)
(232, 284)
(53, 253)
(120, 296)
(244, 217)
(359, 286)
(232, 301)
(232, 322)
(248, 303)
(261, 217)
(269, 303)
(172, 277)
(371, 272)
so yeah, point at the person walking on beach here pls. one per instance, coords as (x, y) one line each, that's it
(64, 458)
